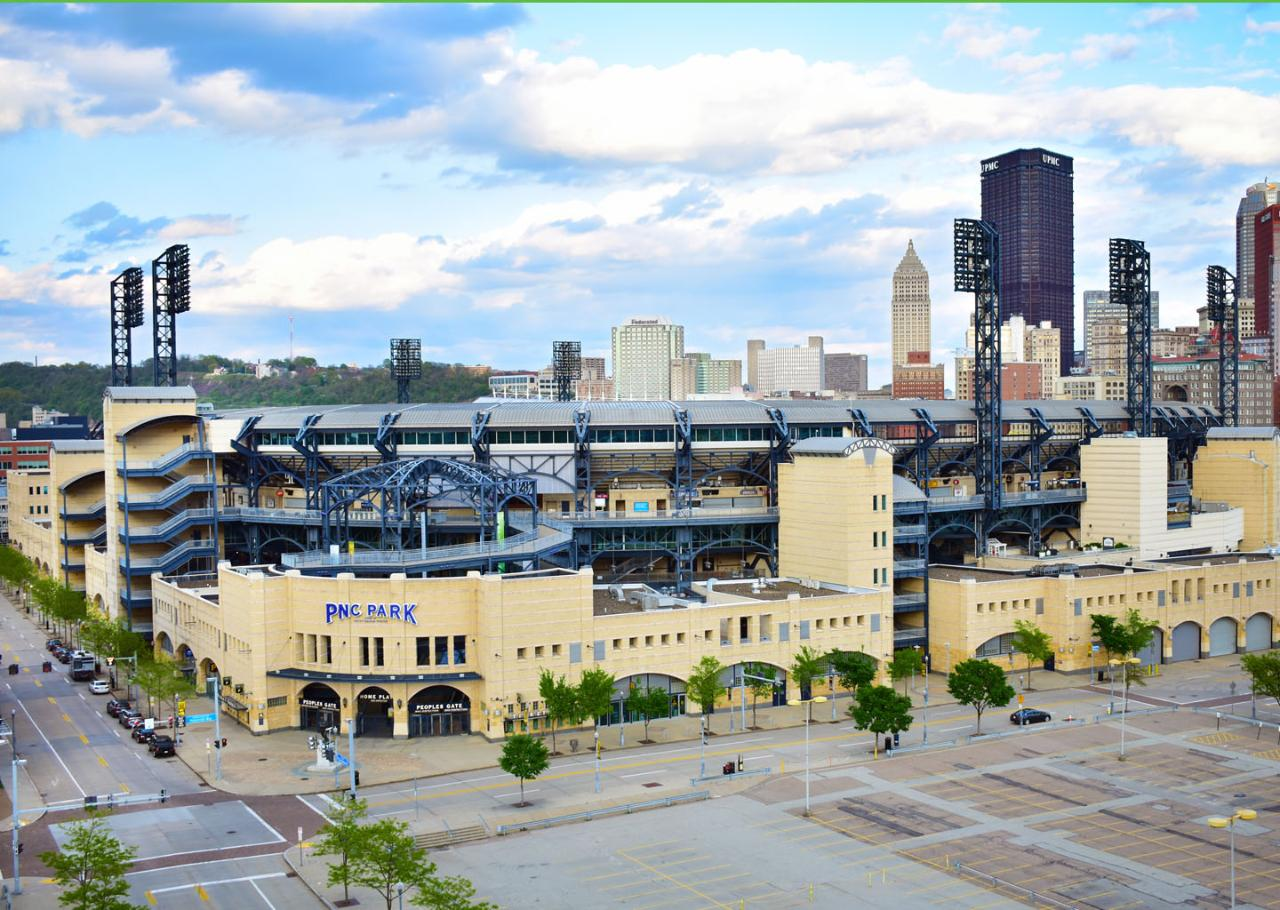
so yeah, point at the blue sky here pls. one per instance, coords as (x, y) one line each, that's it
(491, 178)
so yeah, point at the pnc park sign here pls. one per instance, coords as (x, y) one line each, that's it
(367, 612)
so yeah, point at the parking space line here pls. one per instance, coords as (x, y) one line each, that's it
(692, 890)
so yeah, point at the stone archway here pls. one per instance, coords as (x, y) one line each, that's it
(439, 711)
(1186, 641)
(318, 707)
(374, 712)
(1258, 632)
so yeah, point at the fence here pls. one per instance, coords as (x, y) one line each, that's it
(1036, 897)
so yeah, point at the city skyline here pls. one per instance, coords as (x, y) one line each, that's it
(459, 200)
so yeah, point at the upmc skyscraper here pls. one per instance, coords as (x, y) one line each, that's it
(1027, 194)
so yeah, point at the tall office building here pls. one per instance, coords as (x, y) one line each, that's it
(1043, 346)
(846, 372)
(754, 347)
(1028, 195)
(1098, 308)
(793, 369)
(697, 373)
(1255, 199)
(1266, 250)
(909, 308)
(643, 349)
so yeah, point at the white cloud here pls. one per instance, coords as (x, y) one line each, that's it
(1254, 27)
(986, 39)
(1156, 16)
(1093, 49)
(201, 226)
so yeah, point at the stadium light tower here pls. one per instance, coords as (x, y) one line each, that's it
(566, 366)
(1224, 313)
(170, 295)
(406, 364)
(127, 302)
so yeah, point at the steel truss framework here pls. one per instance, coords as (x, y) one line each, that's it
(170, 295)
(1130, 277)
(402, 491)
(566, 366)
(977, 271)
(1224, 313)
(127, 303)
(684, 544)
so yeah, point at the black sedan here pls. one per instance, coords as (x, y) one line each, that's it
(161, 745)
(141, 734)
(1024, 716)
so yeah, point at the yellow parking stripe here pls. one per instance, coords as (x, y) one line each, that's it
(38, 683)
(52, 700)
(151, 898)
(204, 895)
(102, 761)
(67, 718)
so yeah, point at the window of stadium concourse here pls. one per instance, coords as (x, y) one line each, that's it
(423, 650)
(442, 650)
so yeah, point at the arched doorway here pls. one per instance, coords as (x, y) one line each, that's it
(373, 712)
(1186, 641)
(318, 707)
(1222, 637)
(1257, 632)
(164, 644)
(439, 711)
(186, 660)
(208, 676)
(1153, 653)
(622, 688)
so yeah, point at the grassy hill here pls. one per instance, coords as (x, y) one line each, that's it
(76, 388)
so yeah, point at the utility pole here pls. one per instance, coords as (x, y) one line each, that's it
(217, 725)
(17, 878)
(351, 750)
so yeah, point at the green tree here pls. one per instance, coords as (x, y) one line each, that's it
(1124, 638)
(1109, 633)
(905, 664)
(854, 669)
(881, 710)
(595, 693)
(342, 836)
(762, 679)
(648, 704)
(1264, 673)
(560, 699)
(90, 867)
(980, 684)
(524, 758)
(162, 678)
(703, 686)
(389, 860)
(1031, 642)
(449, 893)
(807, 666)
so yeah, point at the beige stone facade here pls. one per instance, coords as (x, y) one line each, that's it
(1238, 465)
(910, 307)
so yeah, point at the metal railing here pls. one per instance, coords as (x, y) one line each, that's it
(191, 547)
(72, 512)
(909, 600)
(173, 524)
(701, 512)
(908, 634)
(908, 565)
(909, 530)
(182, 488)
(169, 459)
(526, 543)
(625, 809)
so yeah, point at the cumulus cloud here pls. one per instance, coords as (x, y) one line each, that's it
(1254, 27)
(1156, 16)
(1093, 49)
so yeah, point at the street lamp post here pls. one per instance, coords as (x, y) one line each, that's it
(351, 752)
(924, 714)
(1124, 711)
(1241, 815)
(597, 744)
(17, 877)
(702, 749)
(808, 703)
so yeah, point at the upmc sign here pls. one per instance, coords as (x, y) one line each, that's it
(367, 612)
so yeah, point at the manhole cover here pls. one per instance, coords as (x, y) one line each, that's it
(651, 784)
(231, 832)
(262, 759)
(962, 766)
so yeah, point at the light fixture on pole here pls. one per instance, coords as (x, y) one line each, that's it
(1124, 712)
(1241, 815)
(808, 703)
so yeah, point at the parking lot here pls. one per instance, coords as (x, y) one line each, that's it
(1054, 812)
(241, 884)
(188, 829)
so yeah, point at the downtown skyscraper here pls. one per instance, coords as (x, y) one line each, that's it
(1028, 194)
(1255, 199)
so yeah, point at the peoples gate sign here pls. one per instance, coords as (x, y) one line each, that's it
(337, 611)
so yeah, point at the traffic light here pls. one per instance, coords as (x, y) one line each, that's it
(224, 742)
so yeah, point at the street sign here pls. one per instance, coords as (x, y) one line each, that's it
(1095, 648)
(340, 759)
(199, 719)
(1020, 697)
(182, 706)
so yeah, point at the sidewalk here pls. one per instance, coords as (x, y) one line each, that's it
(28, 798)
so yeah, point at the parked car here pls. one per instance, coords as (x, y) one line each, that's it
(116, 705)
(161, 745)
(140, 733)
(1024, 716)
(126, 716)
(99, 687)
(53, 643)
(64, 657)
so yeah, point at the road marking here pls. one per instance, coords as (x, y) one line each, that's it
(39, 685)
(648, 773)
(102, 761)
(52, 700)
(199, 886)
(279, 837)
(84, 739)
(75, 782)
(67, 718)
(953, 729)
(261, 895)
(302, 800)
(151, 898)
